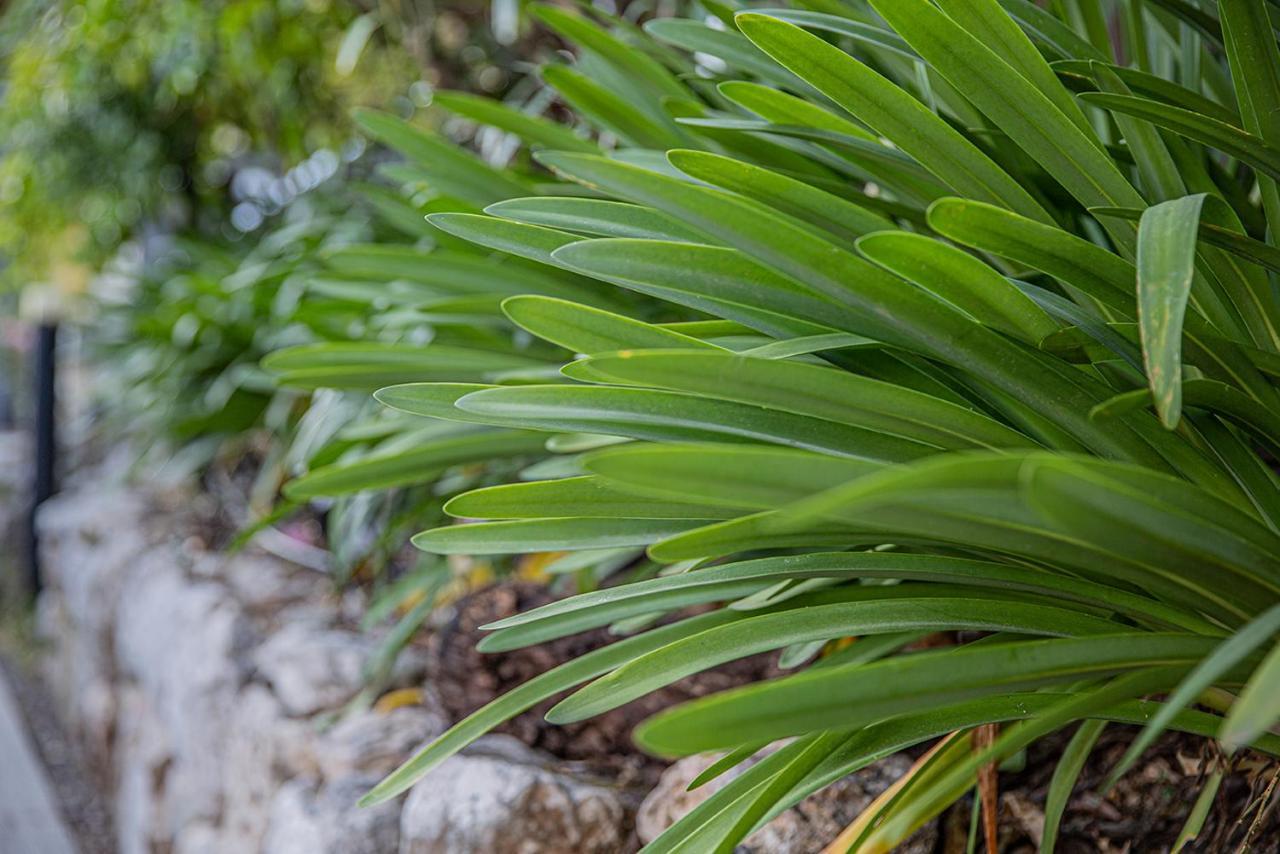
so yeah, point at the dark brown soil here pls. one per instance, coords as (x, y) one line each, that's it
(1146, 810)
(466, 679)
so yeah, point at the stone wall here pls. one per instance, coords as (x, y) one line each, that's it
(15, 480)
(212, 694)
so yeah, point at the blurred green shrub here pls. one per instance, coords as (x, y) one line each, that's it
(119, 112)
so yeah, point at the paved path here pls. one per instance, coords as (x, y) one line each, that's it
(30, 822)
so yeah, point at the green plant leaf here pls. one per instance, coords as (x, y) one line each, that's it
(589, 330)
(788, 195)
(736, 51)
(608, 110)
(1166, 269)
(1257, 708)
(961, 280)
(534, 130)
(804, 389)
(1011, 101)
(1242, 245)
(1149, 85)
(886, 311)
(1208, 131)
(843, 697)
(547, 535)
(720, 583)
(891, 111)
(988, 22)
(865, 611)
(1199, 812)
(601, 217)
(646, 73)
(368, 366)
(587, 497)
(1100, 274)
(412, 461)
(1065, 776)
(662, 415)
(455, 171)
(1250, 39)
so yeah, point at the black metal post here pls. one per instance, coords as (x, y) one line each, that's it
(43, 484)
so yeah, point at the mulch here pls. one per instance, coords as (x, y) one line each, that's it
(1148, 807)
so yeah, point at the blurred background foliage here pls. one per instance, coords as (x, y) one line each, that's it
(195, 173)
(175, 173)
(123, 118)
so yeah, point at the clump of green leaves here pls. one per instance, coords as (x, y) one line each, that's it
(892, 318)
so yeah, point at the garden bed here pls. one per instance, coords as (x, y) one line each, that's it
(203, 691)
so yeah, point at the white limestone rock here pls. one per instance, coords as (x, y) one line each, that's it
(142, 759)
(499, 797)
(267, 748)
(90, 541)
(375, 743)
(307, 818)
(181, 642)
(312, 668)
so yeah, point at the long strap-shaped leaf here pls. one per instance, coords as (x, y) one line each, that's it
(548, 535)
(656, 415)
(418, 463)
(583, 329)
(532, 129)
(1238, 143)
(643, 69)
(955, 779)
(843, 697)
(1011, 101)
(732, 47)
(609, 110)
(807, 390)
(1257, 708)
(987, 21)
(848, 752)
(891, 111)
(587, 610)
(585, 497)
(1250, 40)
(1078, 71)
(756, 477)
(601, 217)
(1068, 510)
(1166, 269)
(455, 169)
(960, 279)
(872, 611)
(1099, 274)
(1064, 779)
(358, 365)
(1049, 31)
(1233, 241)
(839, 216)
(888, 311)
